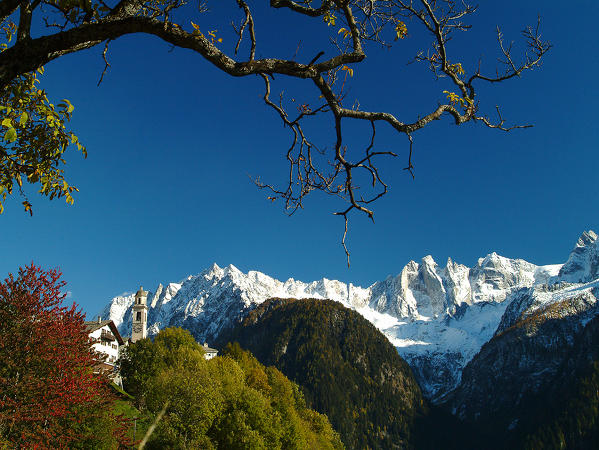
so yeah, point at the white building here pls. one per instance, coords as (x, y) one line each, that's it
(209, 353)
(107, 341)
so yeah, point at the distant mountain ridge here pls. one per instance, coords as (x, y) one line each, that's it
(438, 318)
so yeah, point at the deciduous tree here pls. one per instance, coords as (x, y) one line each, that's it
(47, 384)
(355, 28)
(226, 402)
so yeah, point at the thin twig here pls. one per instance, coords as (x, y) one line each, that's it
(106, 63)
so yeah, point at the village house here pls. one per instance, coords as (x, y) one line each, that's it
(107, 341)
(209, 353)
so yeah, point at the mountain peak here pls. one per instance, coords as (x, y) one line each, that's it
(214, 268)
(232, 269)
(219, 272)
(428, 260)
(583, 263)
(586, 238)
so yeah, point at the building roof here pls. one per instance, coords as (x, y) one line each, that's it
(208, 349)
(141, 292)
(90, 327)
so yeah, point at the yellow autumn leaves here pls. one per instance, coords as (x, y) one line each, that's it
(401, 30)
(455, 99)
(211, 34)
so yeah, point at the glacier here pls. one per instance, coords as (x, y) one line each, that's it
(437, 317)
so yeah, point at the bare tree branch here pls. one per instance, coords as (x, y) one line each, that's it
(248, 22)
(355, 25)
(106, 63)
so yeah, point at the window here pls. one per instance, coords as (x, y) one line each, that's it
(138, 317)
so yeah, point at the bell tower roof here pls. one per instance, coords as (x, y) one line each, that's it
(140, 298)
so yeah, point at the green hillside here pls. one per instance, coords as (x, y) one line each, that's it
(229, 402)
(346, 368)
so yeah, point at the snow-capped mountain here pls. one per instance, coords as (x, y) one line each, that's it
(437, 317)
(444, 315)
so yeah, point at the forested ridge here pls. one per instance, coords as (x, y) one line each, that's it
(346, 368)
(561, 413)
(566, 415)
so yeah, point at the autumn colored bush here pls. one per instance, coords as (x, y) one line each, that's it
(49, 394)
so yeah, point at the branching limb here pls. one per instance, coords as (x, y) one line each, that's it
(25, 14)
(410, 167)
(248, 22)
(22, 58)
(500, 122)
(536, 49)
(304, 174)
(106, 63)
(303, 7)
(7, 7)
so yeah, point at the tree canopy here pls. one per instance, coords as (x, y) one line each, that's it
(51, 398)
(226, 402)
(48, 29)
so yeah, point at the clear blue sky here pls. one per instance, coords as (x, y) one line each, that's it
(165, 190)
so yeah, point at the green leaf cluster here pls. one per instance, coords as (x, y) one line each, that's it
(227, 402)
(33, 137)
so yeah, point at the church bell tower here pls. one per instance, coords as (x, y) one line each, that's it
(140, 316)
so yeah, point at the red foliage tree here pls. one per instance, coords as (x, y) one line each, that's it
(47, 385)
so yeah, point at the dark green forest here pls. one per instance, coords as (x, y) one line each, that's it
(564, 414)
(346, 368)
(565, 417)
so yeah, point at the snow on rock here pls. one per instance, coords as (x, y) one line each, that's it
(583, 264)
(536, 345)
(117, 310)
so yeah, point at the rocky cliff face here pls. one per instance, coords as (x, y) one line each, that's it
(437, 317)
(445, 314)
